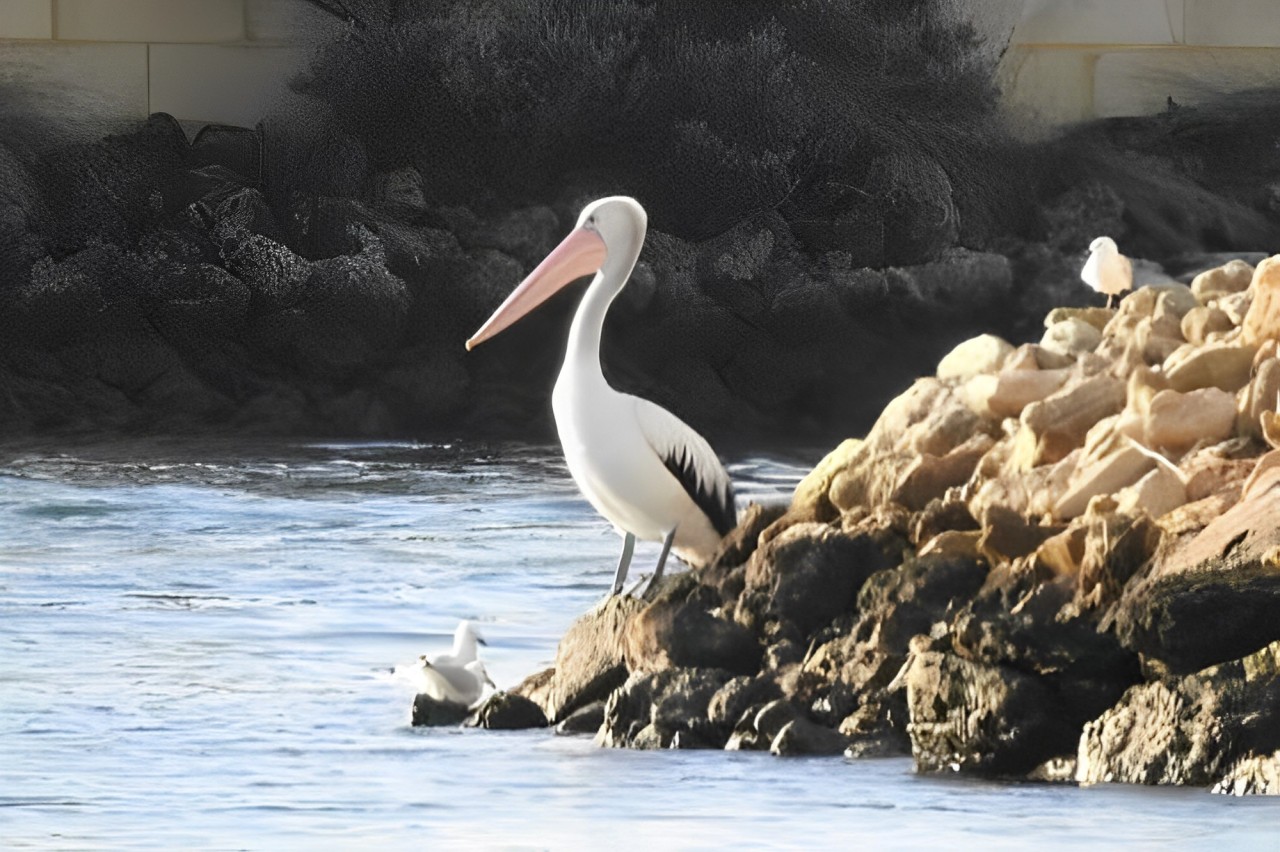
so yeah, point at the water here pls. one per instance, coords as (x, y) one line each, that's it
(195, 645)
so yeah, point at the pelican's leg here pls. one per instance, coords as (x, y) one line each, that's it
(662, 561)
(1110, 296)
(628, 547)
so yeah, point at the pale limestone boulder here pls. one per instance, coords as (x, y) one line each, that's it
(1071, 337)
(1104, 476)
(1009, 392)
(1176, 421)
(810, 502)
(928, 476)
(1204, 320)
(1233, 277)
(1262, 322)
(1096, 317)
(1213, 470)
(1220, 365)
(1235, 306)
(1260, 397)
(1157, 493)
(1053, 427)
(986, 353)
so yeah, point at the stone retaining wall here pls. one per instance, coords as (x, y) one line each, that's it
(224, 60)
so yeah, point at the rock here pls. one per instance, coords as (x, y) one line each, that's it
(1107, 475)
(1009, 392)
(665, 709)
(1007, 535)
(811, 573)
(1054, 426)
(1190, 730)
(1071, 337)
(810, 502)
(1233, 277)
(1157, 493)
(1202, 321)
(1252, 775)
(584, 720)
(1262, 395)
(901, 602)
(590, 661)
(1217, 365)
(1262, 322)
(981, 719)
(929, 477)
(941, 516)
(433, 713)
(739, 694)
(803, 737)
(980, 355)
(759, 727)
(1176, 421)
(684, 634)
(1096, 317)
(736, 547)
(508, 711)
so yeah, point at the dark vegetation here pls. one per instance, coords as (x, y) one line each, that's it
(835, 199)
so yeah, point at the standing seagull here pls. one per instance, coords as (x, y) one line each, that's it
(639, 465)
(1107, 270)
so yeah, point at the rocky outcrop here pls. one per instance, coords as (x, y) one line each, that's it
(1006, 576)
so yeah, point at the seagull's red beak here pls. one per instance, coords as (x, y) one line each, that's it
(581, 253)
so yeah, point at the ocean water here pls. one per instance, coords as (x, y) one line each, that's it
(196, 644)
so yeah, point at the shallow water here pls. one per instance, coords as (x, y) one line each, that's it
(195, 651)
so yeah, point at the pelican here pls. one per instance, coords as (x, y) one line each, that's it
(640, 466)
(1107, 270)
(457, 677)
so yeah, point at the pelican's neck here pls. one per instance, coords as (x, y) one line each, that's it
(583, 354)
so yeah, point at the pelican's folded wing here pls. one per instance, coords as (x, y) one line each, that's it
(691, 460)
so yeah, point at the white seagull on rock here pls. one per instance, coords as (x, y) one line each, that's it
(640, 466)
(1107, 270)
(457, 677)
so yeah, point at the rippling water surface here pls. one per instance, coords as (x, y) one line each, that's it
(195, 646)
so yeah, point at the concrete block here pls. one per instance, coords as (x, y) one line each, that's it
(1109, 22)
(1140, 82)
(200, 21)
(83, 87)
(287, 21)
(1233, 23)
(220, 84)
(1054, 85)
(26, 19)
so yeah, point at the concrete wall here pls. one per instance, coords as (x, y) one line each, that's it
(1078, 59)
(224, 60)
(204, 61)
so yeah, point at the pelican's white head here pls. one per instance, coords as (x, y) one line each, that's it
(608, 230)
(1104, 244)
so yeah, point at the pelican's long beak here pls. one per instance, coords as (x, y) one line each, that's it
(581, 253)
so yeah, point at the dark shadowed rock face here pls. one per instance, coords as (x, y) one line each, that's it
(430, 712)
(1218, 725)
(684, 634)
(507, 711)
(590, 658)
(665, 709)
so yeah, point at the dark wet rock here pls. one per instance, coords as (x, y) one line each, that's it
(1195, 730)
(982, 719)
(897, 603)
(685, 634)
(664, 709)
(803, 737)
(432, 713)
(810, 574)
(738, 694)
(590, 658)
(508, 711)
(759, 726)
(584, 720)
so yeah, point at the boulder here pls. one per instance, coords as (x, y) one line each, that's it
(1053, 427)
(929, 476)
(1007, 393)
(684, 634)
(1262, 322)
(508, 711)
(1202, 321)
(759, 726)
(977, 356)
(1232, 277)
(665, 709)
(800, 736)
(739, 694)
(1096, 317)
(1071, 337)
(430, 712)
(1176, 421)
(1191, 730)
(1107, 475)
(1218, 365)
(584, 720)
(590, 659)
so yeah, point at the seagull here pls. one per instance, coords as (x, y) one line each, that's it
(1107, 270)
(650, 475)
(457, 677)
